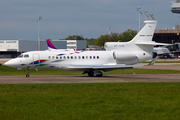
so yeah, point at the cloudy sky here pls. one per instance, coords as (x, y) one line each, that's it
(90, 18)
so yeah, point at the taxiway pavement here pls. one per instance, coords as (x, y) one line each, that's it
(86, 79)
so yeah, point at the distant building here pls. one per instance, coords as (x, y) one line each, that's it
(167, 36)
(75, 44)
(12, 48)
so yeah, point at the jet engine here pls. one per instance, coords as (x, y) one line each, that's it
(121, 56)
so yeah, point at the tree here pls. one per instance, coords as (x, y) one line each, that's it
(123, 37)
(74, 37)
(102, 39)
(114, 37)
(106, 38)
(90, 41)
(127, 35)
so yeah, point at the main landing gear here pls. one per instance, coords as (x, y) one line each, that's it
(93, 73)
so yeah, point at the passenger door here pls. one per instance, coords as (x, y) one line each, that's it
(36, 59)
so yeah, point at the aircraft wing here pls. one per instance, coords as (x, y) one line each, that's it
(103, 67)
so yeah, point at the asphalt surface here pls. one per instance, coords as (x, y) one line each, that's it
(86, 79)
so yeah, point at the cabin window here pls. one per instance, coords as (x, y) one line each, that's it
(90, 57)
(60, 57)
(97, 57)
(94, 57)
(75, 57)
(56, 57)
(79, 57)
(64, 57)
(20, 56)
(71, 57)
(26, 55)
(67, 57)
(86, 57)
(82, 57)
(49, 57)
(52, 57)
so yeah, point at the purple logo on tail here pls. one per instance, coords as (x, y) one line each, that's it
(49, 43)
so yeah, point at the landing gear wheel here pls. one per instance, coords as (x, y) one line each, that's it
(91, 74)
(99, 75)
(27, 75)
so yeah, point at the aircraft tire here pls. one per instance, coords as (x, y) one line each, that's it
(100, 75)
(27, 75)
(91, 74)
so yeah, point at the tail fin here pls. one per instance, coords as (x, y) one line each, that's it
(146, 34)
(143, 38)
(50, 45)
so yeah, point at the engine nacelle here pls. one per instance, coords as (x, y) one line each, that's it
(121, 56)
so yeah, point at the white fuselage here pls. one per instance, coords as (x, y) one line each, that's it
(61, 60)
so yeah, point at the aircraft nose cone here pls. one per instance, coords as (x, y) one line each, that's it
(11, 63)
(8, 63)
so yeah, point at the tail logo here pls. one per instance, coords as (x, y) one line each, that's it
(145, 35)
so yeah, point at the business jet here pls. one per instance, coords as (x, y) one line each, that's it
(118, 55)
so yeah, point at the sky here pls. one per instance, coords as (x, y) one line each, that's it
(88, 18)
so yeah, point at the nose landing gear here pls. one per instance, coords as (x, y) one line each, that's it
(27, 75)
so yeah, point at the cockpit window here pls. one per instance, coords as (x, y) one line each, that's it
(26, 55)
(20, 56)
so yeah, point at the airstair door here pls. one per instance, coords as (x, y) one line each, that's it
(36, 59)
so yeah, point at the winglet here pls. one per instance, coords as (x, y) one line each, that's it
(50, 45)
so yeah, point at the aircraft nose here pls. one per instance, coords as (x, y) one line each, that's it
(8, 63)
(11, 63)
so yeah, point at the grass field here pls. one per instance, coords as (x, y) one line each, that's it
(4, 70)
(129, 101)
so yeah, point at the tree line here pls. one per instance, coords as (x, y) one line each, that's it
(114, 37)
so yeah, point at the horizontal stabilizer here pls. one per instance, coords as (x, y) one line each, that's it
(151, 43)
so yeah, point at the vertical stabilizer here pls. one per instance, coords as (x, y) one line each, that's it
(145, 35)
(50, 45)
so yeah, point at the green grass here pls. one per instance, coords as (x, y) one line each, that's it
(4, 70)
(129, 101)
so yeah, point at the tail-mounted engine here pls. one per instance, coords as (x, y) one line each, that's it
(122, 56)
